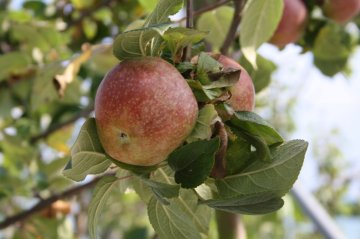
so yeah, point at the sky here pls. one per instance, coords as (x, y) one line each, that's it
(323, 104)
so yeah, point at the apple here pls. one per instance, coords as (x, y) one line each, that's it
(292, 23)
(144, 109)
(341, 11)
(243, 92)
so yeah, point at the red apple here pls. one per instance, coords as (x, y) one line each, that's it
(243, 92)
(291, 24)
(144, 109)
(341, 11)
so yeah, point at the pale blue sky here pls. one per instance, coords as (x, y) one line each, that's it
(323, 104)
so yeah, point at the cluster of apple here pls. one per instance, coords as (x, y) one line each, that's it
(295, 15)
(144, 108)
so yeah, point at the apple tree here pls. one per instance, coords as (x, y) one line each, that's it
(161, 97)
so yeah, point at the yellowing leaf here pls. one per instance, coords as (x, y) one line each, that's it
(59, 139)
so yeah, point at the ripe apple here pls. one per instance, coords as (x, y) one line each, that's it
(291, 24)
(341, 11)
(243, 92)
(144, 109)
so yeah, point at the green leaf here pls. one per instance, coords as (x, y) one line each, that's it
(256, 126)
(170, 221)
(143, 191)
(333, 42)
(259, 22)
(237, 154)
(178, 38)
(89, 27)
(87, 154)
(101, 194)
(124, 177)
(13, 63)
(217, 23)
(254, 209)
(259, 203)
(331, 67)
(21, 33)
(43, 90)
(205, 120)
(200, 215)
(332, 48)
(193, 162)
(133, 168)
(81, 4)
(262, 75)
(225, 78)
(145, 41)
(276, 177)
(162, 11)
(207, 63)
(161, 190)
(148, 5)
(6, 103)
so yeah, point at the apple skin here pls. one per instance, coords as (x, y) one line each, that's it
(341, 11)
(292, 23)
(243, 92)
(144, 109)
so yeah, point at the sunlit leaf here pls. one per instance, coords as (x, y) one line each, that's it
(101, 194)
(202, 129)
(276, 177)
(87, 154)
(193, 162)
(217, 23)
(14, 63)
(259, 22)
(170, 221)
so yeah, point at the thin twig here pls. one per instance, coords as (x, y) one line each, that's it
(189, 24)
(46, 203)
(189, 14)
(54, 128)
(206, 9)
(238, 5)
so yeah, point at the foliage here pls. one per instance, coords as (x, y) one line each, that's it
(53, 56)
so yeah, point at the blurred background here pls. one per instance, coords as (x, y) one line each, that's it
(53, 55)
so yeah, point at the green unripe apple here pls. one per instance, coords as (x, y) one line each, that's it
(144, 109)
(341, 11)
(292, 23)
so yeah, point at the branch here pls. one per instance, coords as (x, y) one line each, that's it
(189, 14)
(54, 128)
(229, 225)
(238, 5)
(189, 24)
(206, 9)
(46, 203)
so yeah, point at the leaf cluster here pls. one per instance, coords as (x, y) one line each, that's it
(180, 193)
